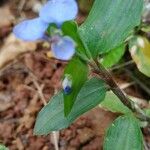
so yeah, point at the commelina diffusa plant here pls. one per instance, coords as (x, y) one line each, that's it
(92, 47)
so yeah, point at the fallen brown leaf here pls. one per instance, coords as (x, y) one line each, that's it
(14, 47)
(4, 106)
(5, 100)
(6, 16)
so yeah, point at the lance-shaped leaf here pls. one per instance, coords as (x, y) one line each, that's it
(109, 24)
(51, 117)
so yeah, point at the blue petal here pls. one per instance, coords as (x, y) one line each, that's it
(30, 30)
(59, 11)
(63, 48)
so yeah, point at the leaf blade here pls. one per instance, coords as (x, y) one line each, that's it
(126, 131)
(109, 24)
(113, 104)
(112, 57)
(51, 117)
(78, 70)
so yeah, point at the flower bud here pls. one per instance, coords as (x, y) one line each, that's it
(67, 84)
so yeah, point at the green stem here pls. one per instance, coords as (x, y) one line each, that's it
(103, 73)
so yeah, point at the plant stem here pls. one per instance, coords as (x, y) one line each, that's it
(103, 73)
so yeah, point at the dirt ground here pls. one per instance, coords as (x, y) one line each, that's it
(30, 78)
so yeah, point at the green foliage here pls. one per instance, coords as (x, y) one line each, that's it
(124, 134)
(70, 28)
(112, 57)
(78, 70)
(2, 147)
(109, 24)
(51, 117)
(147, 112)
(103, 36)
(113, 104)
(140, 52)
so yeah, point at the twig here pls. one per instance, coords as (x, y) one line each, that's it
(21, 5)
(122, 65)
(7, 67)
(35, 81)
(40, 93)
(10, 120)
(40, 89)
(145, 145)
(126, 85)
(55, 138)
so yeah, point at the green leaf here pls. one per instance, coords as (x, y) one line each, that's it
(124, 134)
(112, 57)
(113, 104)
(2, 147)
(70, 28)
(78, 70)
(51, 117)
(140, 52)
(147, 111)
(109, 24)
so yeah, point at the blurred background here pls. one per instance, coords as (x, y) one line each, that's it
(28, 76)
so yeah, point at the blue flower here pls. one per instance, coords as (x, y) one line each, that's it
(62, 47)
(58, 12)
(54, 11)
(30, 30)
